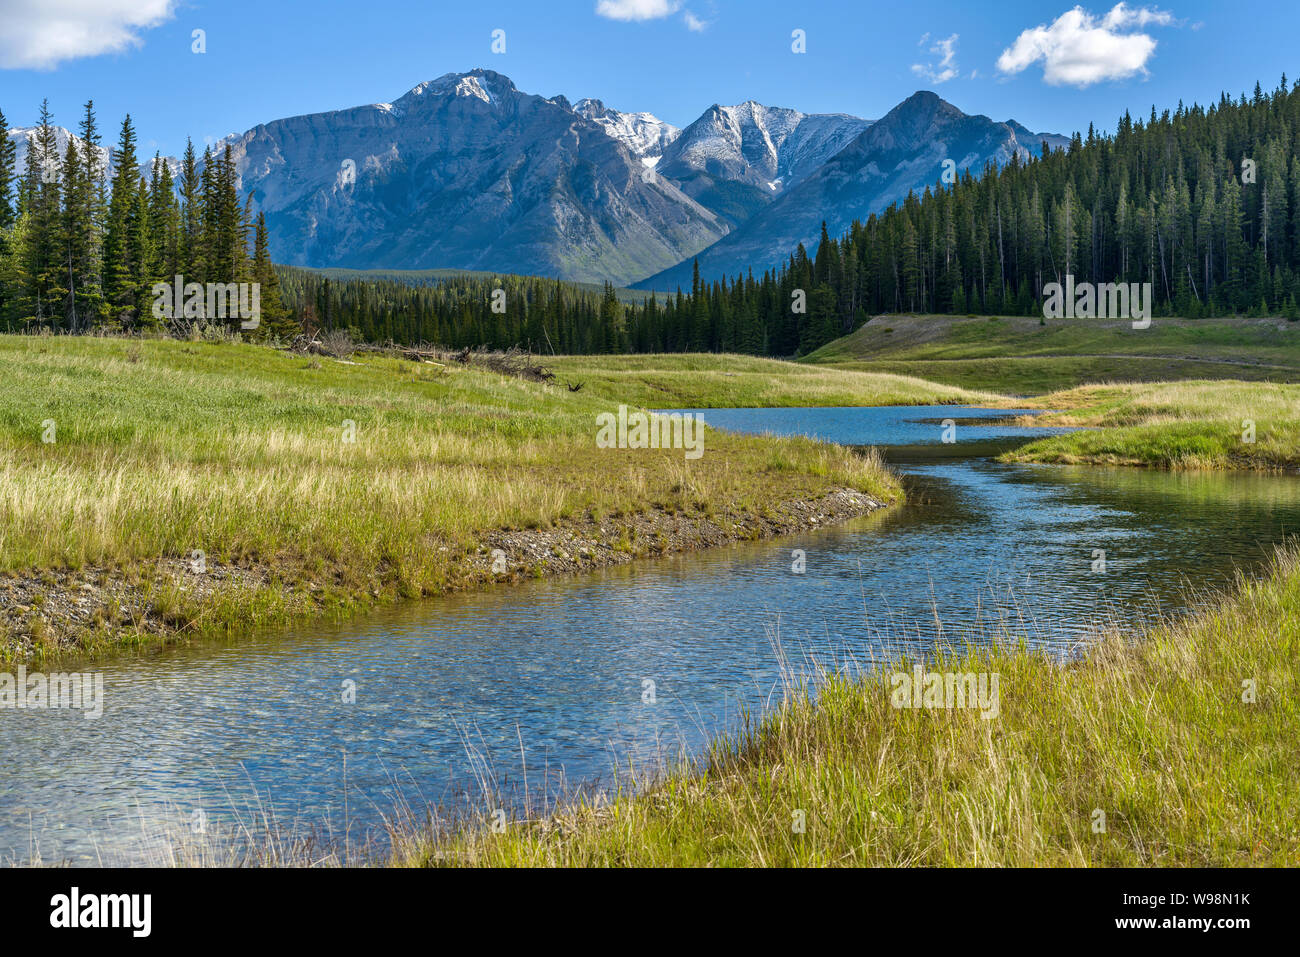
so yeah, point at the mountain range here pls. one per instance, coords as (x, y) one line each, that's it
(468, 172)
(22, 136)
(904, 151)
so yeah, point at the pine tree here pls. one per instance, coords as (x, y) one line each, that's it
(8, 214)
(90, 219)
(141, 244)
(44, 262)
(190, 242)
(275, 319)
(8, 178)
(75, 236)
(119, 268)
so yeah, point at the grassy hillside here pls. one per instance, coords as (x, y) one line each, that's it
(308, 483)
(734, 381)
(1157, 735)
(1022, 356)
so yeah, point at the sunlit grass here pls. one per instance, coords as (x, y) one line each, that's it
(367, 479)
(732, 381)
(1197, 424)
(1021, 355)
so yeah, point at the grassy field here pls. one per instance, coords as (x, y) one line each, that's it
(1021, 356)
(734, 381)
(1186, 741)
(1176, 425)
(323, 483)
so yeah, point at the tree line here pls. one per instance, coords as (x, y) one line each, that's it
(1202, 203)
(84, 241)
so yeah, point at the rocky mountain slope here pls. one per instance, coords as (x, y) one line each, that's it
(644, 134)
(468, 172)
(736, 160)
(904, 151)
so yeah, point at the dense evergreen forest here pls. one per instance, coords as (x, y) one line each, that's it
(83, 242)
(1202, 203)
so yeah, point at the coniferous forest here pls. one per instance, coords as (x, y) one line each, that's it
(1202, 203)
(83, 242)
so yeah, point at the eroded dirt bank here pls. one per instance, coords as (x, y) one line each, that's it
(59, 614)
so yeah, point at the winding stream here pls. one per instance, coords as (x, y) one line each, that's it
(546, 681)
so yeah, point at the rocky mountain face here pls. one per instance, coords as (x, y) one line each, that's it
(644, 134)
(736, 160)
(905, 151)
(468, 172)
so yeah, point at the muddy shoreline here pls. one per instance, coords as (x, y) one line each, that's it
(89, 612)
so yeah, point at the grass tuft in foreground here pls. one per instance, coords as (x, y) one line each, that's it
(1153, 733)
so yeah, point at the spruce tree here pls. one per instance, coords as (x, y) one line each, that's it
(8, 178)
(90, 219)
(275, 320)
(119, 268)
(8, 214)
(190, 242)
(44, 260)
(75, 236)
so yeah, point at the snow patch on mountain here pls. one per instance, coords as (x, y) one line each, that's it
(761, 145)
(644, 134)
(485, 85)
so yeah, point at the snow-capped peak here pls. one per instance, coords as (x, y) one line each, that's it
(483, 85)
(644, 134)
(470, 86)
(769, 146)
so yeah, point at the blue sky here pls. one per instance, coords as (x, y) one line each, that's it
(269, 59)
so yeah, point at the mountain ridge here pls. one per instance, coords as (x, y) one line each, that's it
(466, 171)
(905, 151)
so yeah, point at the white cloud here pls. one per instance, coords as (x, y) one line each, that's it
(946, 68)
(1123, 16)
(637, 9)
(1077, 49)
(41, 34)
(694, 23)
